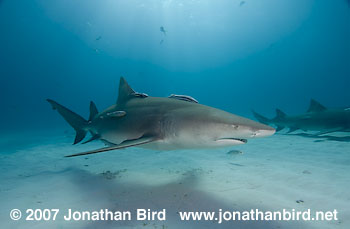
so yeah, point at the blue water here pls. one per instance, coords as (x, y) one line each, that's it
(234, 55)
(261, 55)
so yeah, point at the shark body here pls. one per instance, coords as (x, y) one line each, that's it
(317, 118)
(175, 122)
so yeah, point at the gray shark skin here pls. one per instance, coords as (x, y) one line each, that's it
(317, 118)
(176, 122)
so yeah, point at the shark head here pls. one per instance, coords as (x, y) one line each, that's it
(206, 127)
(237, 130)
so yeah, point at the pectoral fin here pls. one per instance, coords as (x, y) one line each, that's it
(125, 144)
(292, 129)
(329, 131)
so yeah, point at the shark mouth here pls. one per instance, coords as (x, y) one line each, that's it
(233, 139)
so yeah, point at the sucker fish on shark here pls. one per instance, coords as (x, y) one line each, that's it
(161, 123)
(317, 118)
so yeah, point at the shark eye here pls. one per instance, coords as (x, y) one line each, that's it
(235, 127)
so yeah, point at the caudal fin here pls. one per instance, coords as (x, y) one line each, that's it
(261, 118)
(76, 121)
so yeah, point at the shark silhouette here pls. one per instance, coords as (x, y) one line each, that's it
(175, 122)
(317, 118)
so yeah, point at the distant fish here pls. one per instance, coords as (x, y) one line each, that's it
(241, 3)
(98, 38)
(161, 42)
(235, 164)
(234, 152)
(162, 30)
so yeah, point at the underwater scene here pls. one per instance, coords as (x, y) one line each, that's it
(175, 114)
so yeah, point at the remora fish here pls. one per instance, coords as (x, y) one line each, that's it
(317, 118)
(176, 122)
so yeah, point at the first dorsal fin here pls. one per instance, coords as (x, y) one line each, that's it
(93, 111)
(125, 91)
(316, 106)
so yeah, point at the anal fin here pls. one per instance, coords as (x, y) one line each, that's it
(125, 144)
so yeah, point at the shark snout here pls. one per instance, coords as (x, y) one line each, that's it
(263, 132)
(247, 131)
(260, 130)
(256, 130)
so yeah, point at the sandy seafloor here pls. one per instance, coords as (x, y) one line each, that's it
(271, 174)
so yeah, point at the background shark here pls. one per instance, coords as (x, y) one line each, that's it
(176, 122)
(317, 117)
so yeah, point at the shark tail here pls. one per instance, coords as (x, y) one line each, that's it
(76, 121)
(261, 118)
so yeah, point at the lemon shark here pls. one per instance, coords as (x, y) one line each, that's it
(317, 118)
(162, 123)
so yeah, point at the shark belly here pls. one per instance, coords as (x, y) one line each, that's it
(188, 143)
